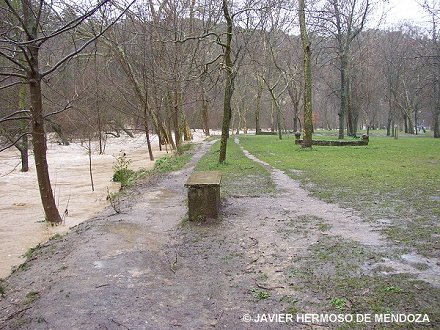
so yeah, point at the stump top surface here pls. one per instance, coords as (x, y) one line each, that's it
(205, 178)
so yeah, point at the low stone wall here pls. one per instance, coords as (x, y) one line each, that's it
(266, 133)
(336, 143)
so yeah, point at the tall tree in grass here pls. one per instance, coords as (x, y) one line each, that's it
(40, 25)
(308, 109)
(232, 58)
(433, 9)
(343, 20)
(229, 82)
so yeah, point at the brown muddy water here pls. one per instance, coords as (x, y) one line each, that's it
(21, 213)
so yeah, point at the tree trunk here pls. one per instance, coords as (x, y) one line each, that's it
(38, 133)
(24, 154)
(100, 135)
(390, 115)
(350, 116)
(405, 123)
(257, 120)
(184, 128)
(24, 143)
(147, 131)
(98, 108)
(169, 136)
(410, 123)
(170, 121)
(243, 117)
(258, 106)
(90, 163)
(272, 117)
(416, 122)
(307, 53)
(293, 94)
(40, 147)
(278, 108)
(205, 108)
(436, 122)
(229, 84)
(176, 120)
(343, 95)
(355, 123)
(436, 109)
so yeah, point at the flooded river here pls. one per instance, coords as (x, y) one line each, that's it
(21, 213)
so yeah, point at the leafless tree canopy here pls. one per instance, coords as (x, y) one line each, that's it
(83, 70)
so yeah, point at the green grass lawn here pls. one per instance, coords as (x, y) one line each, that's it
(397, 180)
(240, 175)
(392, 181)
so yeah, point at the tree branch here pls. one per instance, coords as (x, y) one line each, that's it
(80, 49)
(13, 143)
(11, 59)
(12, 116)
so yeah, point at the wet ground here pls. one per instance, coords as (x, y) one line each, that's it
(147, 268)
(21, 214)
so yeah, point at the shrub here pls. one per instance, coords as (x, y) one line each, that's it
(122, 173)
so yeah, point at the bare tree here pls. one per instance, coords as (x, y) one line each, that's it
(233, 58)
(39, 23)
(344, 20)
(308, 110)
(433, 8)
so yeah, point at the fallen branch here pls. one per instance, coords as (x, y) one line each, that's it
(269, 288)
(10, 317)
(119, 324)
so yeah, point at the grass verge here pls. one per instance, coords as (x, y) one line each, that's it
(240, 175)
(393, 182)
(335, 271)
(166, 164)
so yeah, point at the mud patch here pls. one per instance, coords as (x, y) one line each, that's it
(343, 222)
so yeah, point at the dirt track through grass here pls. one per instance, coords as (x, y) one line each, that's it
(274, 252)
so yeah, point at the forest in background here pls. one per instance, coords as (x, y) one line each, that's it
(162, 66)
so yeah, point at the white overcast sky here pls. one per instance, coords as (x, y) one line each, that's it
(399, 11)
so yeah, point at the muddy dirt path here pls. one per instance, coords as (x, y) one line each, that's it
(146, 269)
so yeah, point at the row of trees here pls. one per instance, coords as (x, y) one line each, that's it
(84, 71)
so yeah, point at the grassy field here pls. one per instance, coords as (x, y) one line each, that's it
(393, 182)
(396, 182)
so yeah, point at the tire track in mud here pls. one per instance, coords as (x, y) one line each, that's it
(347, 224)
(343, 222)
